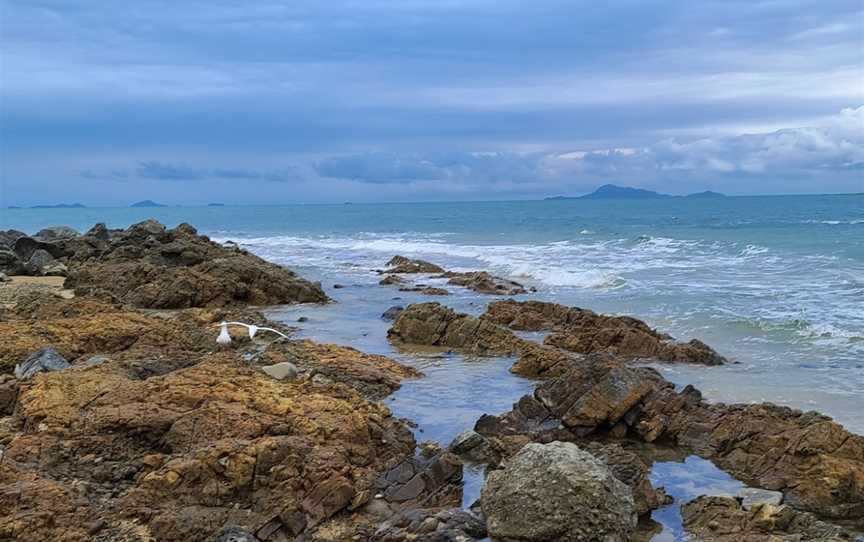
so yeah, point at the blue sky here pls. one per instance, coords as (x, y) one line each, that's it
(264, 101)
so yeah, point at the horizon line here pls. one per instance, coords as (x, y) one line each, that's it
(558, 197)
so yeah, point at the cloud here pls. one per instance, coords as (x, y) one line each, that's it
(478, 99)
(832, 147)
(166, 171)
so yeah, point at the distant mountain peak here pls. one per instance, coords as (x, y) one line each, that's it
(613, 191)
(147, 203)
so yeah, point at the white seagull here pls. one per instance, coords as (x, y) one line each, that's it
(224, 337)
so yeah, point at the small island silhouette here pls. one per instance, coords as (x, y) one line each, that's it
(611, 191)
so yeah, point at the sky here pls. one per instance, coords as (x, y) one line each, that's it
(190, 102)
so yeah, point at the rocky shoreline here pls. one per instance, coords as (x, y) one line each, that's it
(128, 421)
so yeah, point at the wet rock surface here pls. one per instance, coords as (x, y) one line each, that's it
(815, 462)
(479, 281)
(557, 492)
(724, 519)
(585, 332)
(432, 324)
(484, 283)
(401, 264)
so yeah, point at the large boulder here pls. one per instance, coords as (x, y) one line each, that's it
(57, 232)
(8, 238)
(557, 492)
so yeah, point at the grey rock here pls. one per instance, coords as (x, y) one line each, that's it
(3, 277)
(55, 269)
(753, 496)
(8, 238)
(24, 248)
(57, 232)
(147, 228)
(474, 447)
(392, 313)
(557, 492)
(281, 371)
(43, 360)
(95, 360)
(38, 261)
(235, 534)
(99, 231)
(10, 263)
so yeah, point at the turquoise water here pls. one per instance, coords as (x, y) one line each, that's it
(774, 283)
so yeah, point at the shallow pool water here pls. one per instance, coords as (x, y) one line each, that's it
(456, 389)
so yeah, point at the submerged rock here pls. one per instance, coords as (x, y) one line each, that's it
(390, 280)
(557, 492)
(43, 360)
(484, 283)
(425, 290)
(401, 264)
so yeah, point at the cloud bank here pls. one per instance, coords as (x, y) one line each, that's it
(320, 101)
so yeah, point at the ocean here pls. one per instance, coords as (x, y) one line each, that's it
(775, 284)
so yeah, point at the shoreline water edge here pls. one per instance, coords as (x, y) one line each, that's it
(123, 419)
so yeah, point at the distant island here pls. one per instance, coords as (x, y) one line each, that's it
(611, 191)
(147, 203)
(55, 206)
(215, 205)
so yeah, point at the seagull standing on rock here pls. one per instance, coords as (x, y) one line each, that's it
(224, 338)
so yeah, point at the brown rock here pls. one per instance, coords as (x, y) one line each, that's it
(484, 283)
(237, 448)
(722, 519)
(151, 267)
(816, 463)
(585, 332)
(401, 264)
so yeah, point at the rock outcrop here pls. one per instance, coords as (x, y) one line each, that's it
(724, 519)
(403, 265)
(585, 332)
(484, 283)
(189, 452)
(557, 492)
(432, 324)
(149, 266)
(478, 281)
(815, 462)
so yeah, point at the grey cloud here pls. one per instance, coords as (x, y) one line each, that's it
(166, 171)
